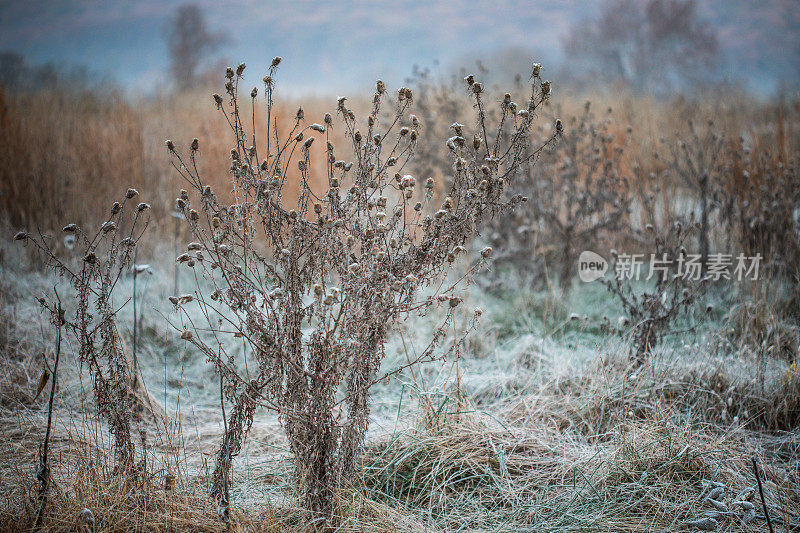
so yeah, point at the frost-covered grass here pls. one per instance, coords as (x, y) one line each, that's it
(539, 424)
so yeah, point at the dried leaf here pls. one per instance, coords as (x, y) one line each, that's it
(45, 377)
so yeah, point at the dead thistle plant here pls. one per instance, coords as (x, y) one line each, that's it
(314, 287)
(106, 253)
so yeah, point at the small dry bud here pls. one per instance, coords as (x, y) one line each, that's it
(186, 335)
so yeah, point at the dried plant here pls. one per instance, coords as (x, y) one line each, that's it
(761, 201)
(694, 158)
(119, 393)
(314, 286)
(578, 192)
(653, 308)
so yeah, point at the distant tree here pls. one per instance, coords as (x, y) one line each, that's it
(656, 45)
(190, 41)
(17, 75)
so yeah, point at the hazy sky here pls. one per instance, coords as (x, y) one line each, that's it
(348, 44)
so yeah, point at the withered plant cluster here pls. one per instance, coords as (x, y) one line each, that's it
(693, 159)
(105, 255)
(579, 194)
(313, 286)
(652, 310)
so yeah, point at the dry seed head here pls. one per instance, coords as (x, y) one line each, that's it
(477, 88)
(170, 145)
(186, 335)
(318, 127)
(90, 258)
(131, 193)
(537, 70)
(20, 236)
(86, 518)
(276, 61)
(300, 114)
(194, 216)
(70, 228)
(546, 87)
(486, 252)
(229, 73)
(142, 206)
(108, 226)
